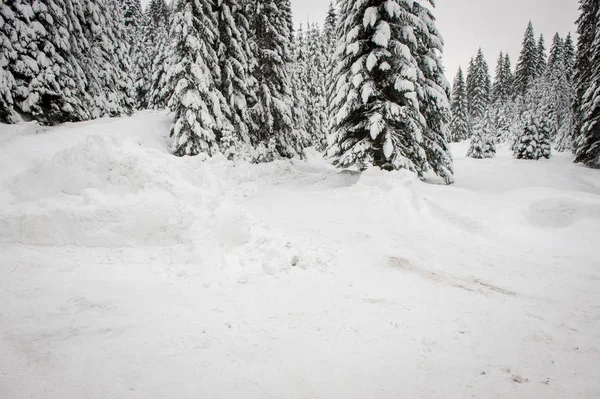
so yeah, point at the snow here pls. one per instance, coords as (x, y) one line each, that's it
(128, 272)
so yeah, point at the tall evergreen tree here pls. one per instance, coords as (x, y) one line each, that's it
(570, 56)
(508, 78)
(41, 57)
(499, 84)
(527, 66)
(273, 126)
(541, 57)
(587, 143)
(132, 11)
(434, 103)
(197, 104)
(459, 126)
(481, 91)
(556, 51)
(471, 85)
(377, 98)
(482, 142)
(329, 30)
(235, 60)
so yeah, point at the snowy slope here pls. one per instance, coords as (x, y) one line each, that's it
(130, 273)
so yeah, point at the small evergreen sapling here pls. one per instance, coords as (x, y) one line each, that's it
(482, 142)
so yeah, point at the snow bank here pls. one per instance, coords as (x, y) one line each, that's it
(112, 191)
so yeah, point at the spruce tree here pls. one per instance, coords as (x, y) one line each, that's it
(569, 55)
(108, 64)
(235, 60)
(197, 104)
(556, 52)
(132, 11)
(471, 85)
(459, 126)
(527, 66)
(434, 103)
(587, 142)
(541, 57)
(377, 99)
(482, 141)
(273, 119)
(159, 94)
(534, 141)
(508, 78)
(481, 90)
(329, 31)
(498, 94)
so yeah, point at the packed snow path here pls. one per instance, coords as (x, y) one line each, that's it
(129, 273)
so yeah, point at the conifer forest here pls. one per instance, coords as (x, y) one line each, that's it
(223, 199)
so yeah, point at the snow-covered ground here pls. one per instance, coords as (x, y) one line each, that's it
(126, 272)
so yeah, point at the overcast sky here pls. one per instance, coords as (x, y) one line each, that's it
(492, 25)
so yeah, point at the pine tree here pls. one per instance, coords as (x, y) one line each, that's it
(132, 11)
(508, 78)
(587, 143)
(196, 103)
(481, 90)
(482, 142)
(329, 30)
(556, 52)
(235, 60)
(143, 50)
(376, 107)
(159, 12)
(569, 55)
(541, 57)
(470, 83)
(159, 93)
(527, 66)
(498, 94)
(434, 103)
(108, 64)
(273, 127)
(534, 141)
(459, 126)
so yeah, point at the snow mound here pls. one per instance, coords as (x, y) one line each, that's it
(111, 191)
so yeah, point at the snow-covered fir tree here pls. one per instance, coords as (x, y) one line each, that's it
(41, 57)
(481, 90)
(541, 57)
(569, 55)
(556, 51)
(315, 76)
(587, 134)
(534, 141)
(132, 11)
(460, 128)
(274, 131)
(196, 103)
(329, 31)
(235, 60)
(159, 94)
(482, 141)
(434, 103)
(560, 95)
(143, 50)
(527, 66)
(508, 78)
(108, 65)
(379, 93)
(470, 84)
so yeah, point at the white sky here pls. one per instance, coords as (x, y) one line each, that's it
(493, 25)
